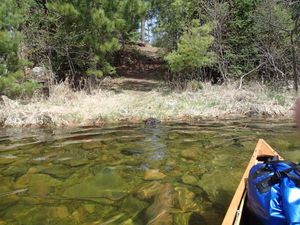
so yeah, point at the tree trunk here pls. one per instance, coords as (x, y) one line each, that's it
(295, 68)
(143, 30)
(295, 75)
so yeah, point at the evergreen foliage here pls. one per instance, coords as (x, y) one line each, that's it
(12, 81)
(220, 40)
(193, 49)
(251, 37)
(173, 18)
(79, 37)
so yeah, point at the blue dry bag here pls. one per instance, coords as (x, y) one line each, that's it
(274, 192)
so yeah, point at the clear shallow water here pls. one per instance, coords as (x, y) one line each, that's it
(182, 174)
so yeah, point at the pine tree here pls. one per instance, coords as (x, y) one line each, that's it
(193, 49)
(81, 36)
(12, 82)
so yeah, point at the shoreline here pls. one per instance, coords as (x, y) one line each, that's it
(66, 108)
(190, 121)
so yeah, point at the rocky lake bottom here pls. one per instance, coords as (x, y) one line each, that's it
(181, 174)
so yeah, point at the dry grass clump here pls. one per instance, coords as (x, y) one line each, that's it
(65, 107)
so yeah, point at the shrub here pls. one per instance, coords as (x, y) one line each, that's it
(193, 50)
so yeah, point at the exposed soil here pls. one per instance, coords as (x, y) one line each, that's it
(130, 84)
(140, 68)
(140, 61)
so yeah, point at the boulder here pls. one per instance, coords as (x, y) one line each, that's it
(189, 179)
(186, 199)
(90, 208)
(58, 171)
(190, 154)
(218, 184)
(37, 184)
(75, 162)
(16, 169)
(154, 175)
(106, 184)
(133, 206)
(7, 159)
(147, 191)
(159, 213)
(39, 72)
(60, 212)
(182, 218)
(91, 145)
(132, 151)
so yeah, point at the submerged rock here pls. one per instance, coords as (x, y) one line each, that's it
(60, 212)
(191, 154)
(154, 175)
(189, 179)
(91, 145)
(159, 213)
(189, 218)
(7, 159)
(171, 162)
(28, 214)
(8, 194)
(117, 219)
(186, 199)
(37, 184)
(182, 218)
(78, 215)
(219, 184)
(131, 152)
(90, 208)
(148, 190)
(105, 184)
(76, 163)
(128, 222)
(16, 170)
(133, 206)
(58, 171)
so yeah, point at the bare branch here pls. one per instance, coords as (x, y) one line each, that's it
(246, 74)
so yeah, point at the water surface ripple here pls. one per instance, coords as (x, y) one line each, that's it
(183, 174)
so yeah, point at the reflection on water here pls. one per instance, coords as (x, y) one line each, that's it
(183, 174)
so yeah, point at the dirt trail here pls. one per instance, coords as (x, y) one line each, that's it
(130, 84)
(140, 67)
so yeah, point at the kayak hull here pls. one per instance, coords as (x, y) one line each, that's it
(234, 214)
